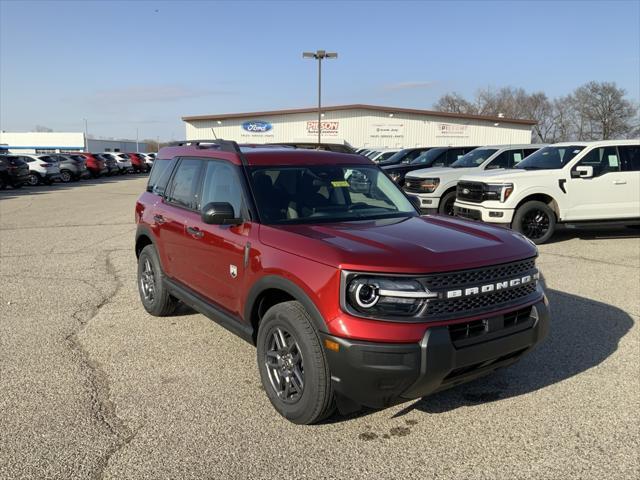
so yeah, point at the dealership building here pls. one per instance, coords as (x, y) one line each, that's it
(361, 126)
(57, 142)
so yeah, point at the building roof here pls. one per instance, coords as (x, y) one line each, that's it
(359, 106)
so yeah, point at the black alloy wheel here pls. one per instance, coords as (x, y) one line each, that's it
(285, 366)
(536, 221)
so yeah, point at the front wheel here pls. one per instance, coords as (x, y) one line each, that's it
(446, 204)
(293, 366)
(536, 221)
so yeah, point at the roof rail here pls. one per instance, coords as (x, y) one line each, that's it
(224, 145)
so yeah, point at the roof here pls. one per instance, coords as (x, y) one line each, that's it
(600, 143)
(265, 156)
(360, 106)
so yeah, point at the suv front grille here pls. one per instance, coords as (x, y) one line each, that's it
(480, 302)
(480, 275)
(442, 308)
(470, 192)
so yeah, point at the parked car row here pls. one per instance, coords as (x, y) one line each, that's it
(17, 170)
(529, 188)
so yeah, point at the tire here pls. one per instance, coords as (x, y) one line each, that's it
(446, 203)
(158, 303)
(65, 176)
(536, 221)
(33, 179)
(307, 397)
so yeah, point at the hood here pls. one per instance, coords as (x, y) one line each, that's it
(445, 173)
(407, 245)
(508, 175)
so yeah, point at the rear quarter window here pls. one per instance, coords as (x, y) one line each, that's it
(160, 174)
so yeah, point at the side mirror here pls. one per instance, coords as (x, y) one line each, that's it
(219, 213)
(582, 172)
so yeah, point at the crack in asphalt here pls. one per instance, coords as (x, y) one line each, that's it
(103, 407)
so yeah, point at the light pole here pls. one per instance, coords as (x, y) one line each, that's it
(86, 138)
(137, 141)
(319, 55)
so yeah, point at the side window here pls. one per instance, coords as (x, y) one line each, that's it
(221, 184)
(529, 151)
(441, 161)
(453, 155)
(603, 160)
(27, 159)
(630, 156)
(159, 176)
(501, 161)
(184, 186)
(516, 156)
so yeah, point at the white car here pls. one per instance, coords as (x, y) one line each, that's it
(436, 187)
(574, 183)
(148, 159)
(42, 169)
(122, 161)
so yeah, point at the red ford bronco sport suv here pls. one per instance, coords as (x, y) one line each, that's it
(317, 258)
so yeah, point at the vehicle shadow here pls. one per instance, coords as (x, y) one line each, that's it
(594, 233)
(58, 186)
(583, 334)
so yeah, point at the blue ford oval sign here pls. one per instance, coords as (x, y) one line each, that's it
(256, 126)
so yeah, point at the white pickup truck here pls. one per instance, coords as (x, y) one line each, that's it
(574, 183)
(435, 188)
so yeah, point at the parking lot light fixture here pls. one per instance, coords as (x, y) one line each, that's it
(319, 55)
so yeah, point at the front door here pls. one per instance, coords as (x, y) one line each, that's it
(604, 195)
(218, 253)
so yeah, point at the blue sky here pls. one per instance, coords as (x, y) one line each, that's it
(127, 65)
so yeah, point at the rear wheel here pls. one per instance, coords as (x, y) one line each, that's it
(536, 221)
(446, 203)
(33, 179)
(293, 367)
(153, 294)
(66, 176)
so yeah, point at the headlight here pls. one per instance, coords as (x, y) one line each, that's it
(383, 296)
(422, 185)
(498, 191)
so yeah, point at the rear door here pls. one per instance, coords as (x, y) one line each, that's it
(171, 215)
(630, 175)
(219, 253)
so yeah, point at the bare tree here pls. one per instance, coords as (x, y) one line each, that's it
(454, 103)
(604, 111)
(593, 111)
(41, 128)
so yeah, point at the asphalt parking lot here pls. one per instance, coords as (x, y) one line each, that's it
(91, 386)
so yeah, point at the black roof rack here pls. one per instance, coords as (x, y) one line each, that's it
(223, 145)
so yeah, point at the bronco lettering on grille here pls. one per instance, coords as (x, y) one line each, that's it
(490, 287)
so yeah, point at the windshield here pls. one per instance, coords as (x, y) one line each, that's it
(428, 157)
(550, 158)
(474, 158)
(384, 156)
(395, 158)
(326, 193)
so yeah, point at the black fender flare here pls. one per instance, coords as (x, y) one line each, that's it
(146, 231)
(281, 283)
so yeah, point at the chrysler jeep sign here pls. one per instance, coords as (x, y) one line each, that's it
(256, 126)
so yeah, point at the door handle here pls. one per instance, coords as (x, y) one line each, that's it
(619, 182)
(158, 219)
(195, 232)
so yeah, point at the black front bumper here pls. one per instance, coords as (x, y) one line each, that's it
(378, 375)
